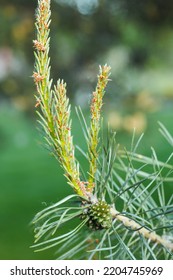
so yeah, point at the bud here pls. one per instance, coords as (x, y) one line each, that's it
(99, 216)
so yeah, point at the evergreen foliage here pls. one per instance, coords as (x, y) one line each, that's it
(122, 211)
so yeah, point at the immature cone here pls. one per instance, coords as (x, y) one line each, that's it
(99, 216)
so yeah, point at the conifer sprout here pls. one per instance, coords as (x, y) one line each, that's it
(122, 211)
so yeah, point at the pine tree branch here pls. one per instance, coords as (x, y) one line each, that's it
(134, 226)
(123, 233)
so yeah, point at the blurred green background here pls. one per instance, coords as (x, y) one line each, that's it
(134, 37)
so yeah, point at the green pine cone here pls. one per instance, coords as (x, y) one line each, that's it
(99, 215)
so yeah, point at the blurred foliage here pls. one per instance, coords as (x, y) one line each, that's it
(134, 37)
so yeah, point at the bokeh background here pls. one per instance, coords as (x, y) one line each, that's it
(134, 37)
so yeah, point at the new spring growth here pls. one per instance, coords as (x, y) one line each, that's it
(96, 105)
(64, 140)
(54, 113)
(55, 108)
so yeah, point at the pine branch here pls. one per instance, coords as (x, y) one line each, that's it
(128, 233)
(134, 226)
